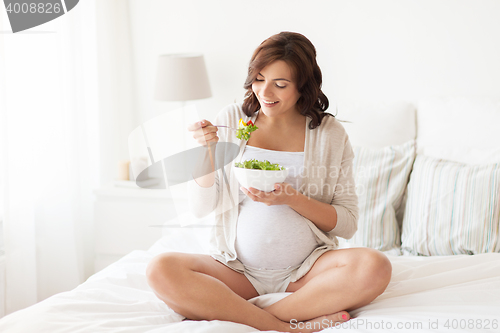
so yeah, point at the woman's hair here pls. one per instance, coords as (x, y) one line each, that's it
(299, 53)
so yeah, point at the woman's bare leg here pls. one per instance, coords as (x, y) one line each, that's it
(200, 288)
(339, 280)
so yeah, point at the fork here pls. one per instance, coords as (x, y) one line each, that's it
(231, 128)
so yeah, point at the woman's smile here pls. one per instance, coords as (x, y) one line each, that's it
(276, 90)
(269, 104)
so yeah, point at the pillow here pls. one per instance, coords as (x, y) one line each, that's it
(452, 208)
(381, 176)
(374, 124)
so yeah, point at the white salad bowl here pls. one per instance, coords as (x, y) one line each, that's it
(262, 180)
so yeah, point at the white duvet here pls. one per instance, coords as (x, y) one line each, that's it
(426, 294)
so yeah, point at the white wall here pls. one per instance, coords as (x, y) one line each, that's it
(117, 89)
(384, 49)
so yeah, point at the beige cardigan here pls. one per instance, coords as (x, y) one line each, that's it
(328, 178)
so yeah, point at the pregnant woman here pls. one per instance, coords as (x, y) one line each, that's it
(284, 240)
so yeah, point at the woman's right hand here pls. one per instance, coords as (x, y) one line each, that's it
(204, 132)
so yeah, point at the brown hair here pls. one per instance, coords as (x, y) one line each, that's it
(300, 54)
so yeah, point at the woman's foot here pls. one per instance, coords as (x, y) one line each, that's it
(319, 323)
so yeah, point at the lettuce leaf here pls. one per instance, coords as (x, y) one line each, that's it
(260, 165)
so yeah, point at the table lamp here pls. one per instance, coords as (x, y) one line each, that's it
(181, 77)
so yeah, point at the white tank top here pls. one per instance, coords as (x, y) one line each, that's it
(273, 237)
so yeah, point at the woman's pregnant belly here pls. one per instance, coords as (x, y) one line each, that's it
(272, 237)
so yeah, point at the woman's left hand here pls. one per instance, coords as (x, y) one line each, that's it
(283, 194)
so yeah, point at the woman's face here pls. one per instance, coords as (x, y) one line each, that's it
(276, 90)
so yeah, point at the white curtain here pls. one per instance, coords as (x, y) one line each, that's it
(49, 155)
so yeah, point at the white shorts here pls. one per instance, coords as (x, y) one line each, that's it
(267, 281)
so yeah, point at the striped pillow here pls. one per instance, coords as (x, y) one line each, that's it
(381, 177)
(452, 208)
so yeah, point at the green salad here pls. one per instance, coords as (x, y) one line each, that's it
(260, 165)
(244, 129)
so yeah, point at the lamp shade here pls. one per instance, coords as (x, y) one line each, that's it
(181, 77)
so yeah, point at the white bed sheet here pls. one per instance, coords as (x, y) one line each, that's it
(463, 291)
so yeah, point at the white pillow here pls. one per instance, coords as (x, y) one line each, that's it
(452, 208)
(381, 177)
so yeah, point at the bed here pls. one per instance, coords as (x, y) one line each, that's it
(426, 294)
(439, 229)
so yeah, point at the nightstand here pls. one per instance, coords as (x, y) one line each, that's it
(127, 219)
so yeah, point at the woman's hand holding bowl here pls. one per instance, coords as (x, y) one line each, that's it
(283, 194)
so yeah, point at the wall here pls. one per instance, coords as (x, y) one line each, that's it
(375, 50)
(389, 49)
(118, 114)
